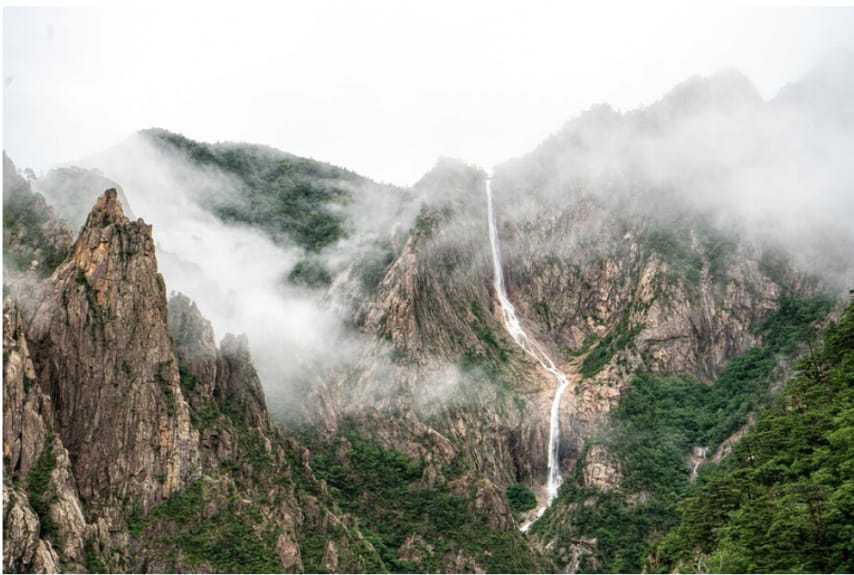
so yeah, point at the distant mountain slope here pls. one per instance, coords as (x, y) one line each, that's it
(34, 238)
(283, 194)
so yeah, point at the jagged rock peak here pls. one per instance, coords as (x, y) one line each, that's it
(101, 338)
(187, 326)
(226, 373)
(107, 209)
(112, 251)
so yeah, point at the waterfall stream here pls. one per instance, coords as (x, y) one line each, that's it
(699, 458)
(706, 312)
(514, 328)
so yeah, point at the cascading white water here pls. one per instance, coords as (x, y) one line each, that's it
(511, 323)
(706, 310)
(699, 457)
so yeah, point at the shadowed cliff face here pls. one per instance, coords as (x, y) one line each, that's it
(216, 379)
(28, 444)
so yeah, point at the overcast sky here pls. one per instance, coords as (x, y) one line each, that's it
(383, 88)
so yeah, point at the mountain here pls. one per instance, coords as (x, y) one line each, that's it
(610, 294)
(385, 418)
(133, 444)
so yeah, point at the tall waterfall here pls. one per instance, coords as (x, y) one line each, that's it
(511, 323)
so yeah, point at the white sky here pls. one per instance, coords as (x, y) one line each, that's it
(383, 88)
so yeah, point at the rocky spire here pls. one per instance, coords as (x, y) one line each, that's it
(225, 374)
(101, 340)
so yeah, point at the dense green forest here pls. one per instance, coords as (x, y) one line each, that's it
(785, 500)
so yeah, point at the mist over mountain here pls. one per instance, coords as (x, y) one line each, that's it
(375, 406)
(774, 172)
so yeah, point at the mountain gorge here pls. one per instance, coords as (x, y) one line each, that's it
(385, 420)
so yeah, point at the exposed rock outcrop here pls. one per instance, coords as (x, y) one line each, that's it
(601, 470)
(100, 338)
(127, 448)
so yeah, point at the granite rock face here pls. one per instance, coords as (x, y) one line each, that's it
(119, 409)
(100, 336)
(636, 281)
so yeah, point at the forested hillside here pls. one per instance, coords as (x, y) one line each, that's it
(784, 500)
(660, 419)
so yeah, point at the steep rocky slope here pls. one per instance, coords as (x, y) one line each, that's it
(618, 272)
(101, 340)
(132, 443)
(600, 290)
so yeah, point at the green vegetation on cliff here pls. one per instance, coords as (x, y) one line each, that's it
(658, 421)
(414, 525)
(229, 538)
(786, 501)
(38, 484)
(614, 341)
(282, 194)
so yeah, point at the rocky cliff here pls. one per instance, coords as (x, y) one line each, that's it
(606, 293)
(131, 442)
(613, 277)
(100, 338)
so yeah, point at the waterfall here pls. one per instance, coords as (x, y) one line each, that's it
(699, 458)
(706, 311)
(514, 328)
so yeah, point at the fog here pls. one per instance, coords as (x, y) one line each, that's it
(778, 172)
(775, 171)
(234, 273)
(378, 86)
(385, 93)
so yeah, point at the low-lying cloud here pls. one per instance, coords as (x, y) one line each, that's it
(778, 171)
(236, 273)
